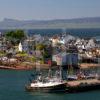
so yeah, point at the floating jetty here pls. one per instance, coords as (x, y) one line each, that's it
(83, 85)
(88, 65)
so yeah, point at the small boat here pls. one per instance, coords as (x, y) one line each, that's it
(47, 84)
(46, 87)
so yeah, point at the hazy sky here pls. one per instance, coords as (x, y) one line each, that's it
(48, 9)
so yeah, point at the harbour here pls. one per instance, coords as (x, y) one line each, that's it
(70, 56)
(12, 87)
(49, 50)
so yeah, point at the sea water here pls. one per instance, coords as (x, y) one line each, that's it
(12, 87)
(12, 82)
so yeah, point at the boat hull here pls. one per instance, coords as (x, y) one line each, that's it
(56, 88)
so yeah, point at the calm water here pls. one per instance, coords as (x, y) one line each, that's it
(75, 32)
(12, 88)
(92, 32)
(12, 82)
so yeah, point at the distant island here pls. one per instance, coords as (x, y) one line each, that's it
(87, 22)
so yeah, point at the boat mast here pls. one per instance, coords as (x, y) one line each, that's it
(50, 61)
(37, 63)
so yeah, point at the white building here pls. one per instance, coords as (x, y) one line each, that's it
(66, 59)
(20, 48)
(91, 44)
(66, 39)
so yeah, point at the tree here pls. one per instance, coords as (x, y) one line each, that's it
(40, 46)
(19, 34)
(15, 36)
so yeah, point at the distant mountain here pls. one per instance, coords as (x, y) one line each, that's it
(88, 22)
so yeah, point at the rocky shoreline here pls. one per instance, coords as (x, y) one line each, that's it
(44, 66)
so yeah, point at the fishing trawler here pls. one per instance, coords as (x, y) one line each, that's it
(47, 84)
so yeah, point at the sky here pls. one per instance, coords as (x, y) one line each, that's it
(48, 9)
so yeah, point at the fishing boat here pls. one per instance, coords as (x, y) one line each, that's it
(47, 85)
(51, 83)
